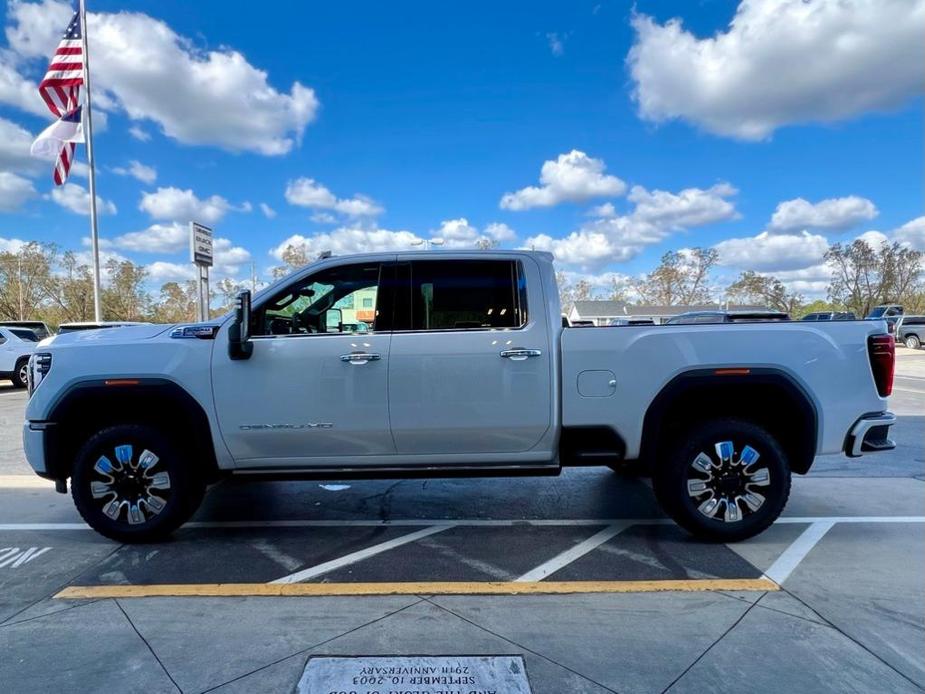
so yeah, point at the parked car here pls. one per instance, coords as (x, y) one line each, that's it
(40, 328)
(910, 331)
(466, 370)
(830, 315)
(891, 313)
(694, 317)
(16, 346)
(89, 325)
(632, 321)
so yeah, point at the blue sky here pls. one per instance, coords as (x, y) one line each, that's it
(412, 115)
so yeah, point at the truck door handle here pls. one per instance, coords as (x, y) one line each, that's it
(359, 357)
(518, 354)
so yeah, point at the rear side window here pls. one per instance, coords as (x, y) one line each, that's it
(917, 320)
(24, 334)
(466, 295)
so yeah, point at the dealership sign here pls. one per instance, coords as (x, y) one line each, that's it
(200, 244)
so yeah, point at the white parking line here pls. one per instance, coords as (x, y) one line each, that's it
(568, 556)
(362, 554)
(781, 569)
(475, 523)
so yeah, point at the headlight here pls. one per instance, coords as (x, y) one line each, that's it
(39, 366)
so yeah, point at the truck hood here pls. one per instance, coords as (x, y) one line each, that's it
(128, 333)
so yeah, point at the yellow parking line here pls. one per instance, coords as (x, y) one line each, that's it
(413, 588)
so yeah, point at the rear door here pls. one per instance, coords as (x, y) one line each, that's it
(470, 363)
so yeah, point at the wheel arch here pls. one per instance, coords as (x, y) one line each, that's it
(88, 406)
(769, 397)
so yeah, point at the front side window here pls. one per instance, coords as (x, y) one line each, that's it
(336, 300)
(466, 295)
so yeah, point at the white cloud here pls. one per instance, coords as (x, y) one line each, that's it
(139, 133)
(458, 233)
(583, 248)
(499, 232)
(556, 43)
(75, 198)
(572, 177)
(15, 142)
(307, 192)
(174, 204)
(874, 239)
(690, 207)
(323, 218)
(17, 91)
(605, 210)
(157, 238)
(769, 252)
(135, 169)
(14, 191)
(912, 233)
(656, 215)
(832, 213)
(347, 240)
(11, 245)
(780, 62)
(196, 96)
(268, 211)
(162, 272)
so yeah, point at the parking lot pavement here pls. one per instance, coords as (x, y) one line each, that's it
(829, 599)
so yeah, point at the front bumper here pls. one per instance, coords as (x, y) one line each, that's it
(870, 434)
(33, 443)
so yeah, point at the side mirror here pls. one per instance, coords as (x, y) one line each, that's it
(239, 344)
(333, 320)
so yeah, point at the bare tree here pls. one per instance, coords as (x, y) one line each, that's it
(863, 277)
(752, 288)
(24, 280)
(680, 278)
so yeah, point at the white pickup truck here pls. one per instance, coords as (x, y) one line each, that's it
(446, 363)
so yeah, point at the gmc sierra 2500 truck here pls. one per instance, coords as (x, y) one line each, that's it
(447, 363)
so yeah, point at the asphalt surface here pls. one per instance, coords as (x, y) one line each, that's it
(849, 559)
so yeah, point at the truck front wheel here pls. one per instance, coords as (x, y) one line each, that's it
(724, 480)
(129, 484)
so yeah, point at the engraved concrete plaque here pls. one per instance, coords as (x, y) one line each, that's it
(445, 674)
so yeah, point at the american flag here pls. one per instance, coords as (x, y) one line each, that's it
(60, 88)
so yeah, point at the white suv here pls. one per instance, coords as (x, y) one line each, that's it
(16, 346)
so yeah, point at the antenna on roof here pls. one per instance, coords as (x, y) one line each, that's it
(323, 255)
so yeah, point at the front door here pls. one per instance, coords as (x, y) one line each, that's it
(316, 385)
(470, 367)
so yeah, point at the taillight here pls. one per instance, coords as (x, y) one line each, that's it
(882, 351)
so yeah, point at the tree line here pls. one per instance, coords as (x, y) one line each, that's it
(862, 277)
(40, 282)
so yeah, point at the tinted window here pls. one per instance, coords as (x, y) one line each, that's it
(336, 300)
(917, 320)
(24, 334)
(466, 295)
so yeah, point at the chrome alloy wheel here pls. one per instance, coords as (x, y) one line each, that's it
(24, 372)
(725, 487)
(135, 485)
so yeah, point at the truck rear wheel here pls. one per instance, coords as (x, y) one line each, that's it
(724, 480)
(129, 484)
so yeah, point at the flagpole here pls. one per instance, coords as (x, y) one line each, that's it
(88, 135)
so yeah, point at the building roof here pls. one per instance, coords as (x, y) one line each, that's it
(613, 309)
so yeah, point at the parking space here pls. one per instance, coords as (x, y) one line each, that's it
(580, 574)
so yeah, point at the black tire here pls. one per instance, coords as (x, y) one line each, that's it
(132, 486)
(912, 342)
(18, 377)
(726, 480)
